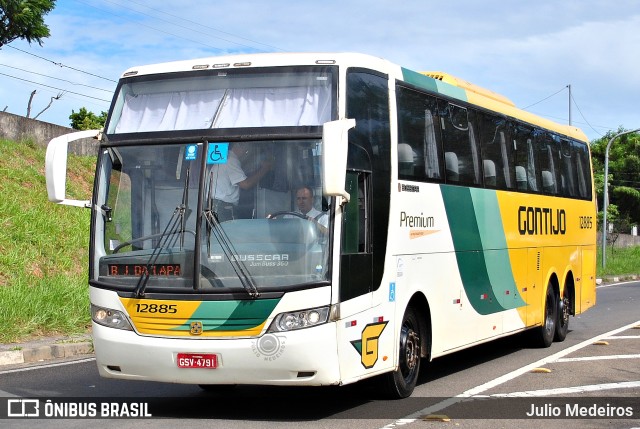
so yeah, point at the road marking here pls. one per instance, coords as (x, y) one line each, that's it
(48, 365)
(616, 284)
(587, 358)
(568, 390)
(624, 337)
(500, 380)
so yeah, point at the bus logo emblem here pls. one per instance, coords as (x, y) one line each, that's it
(196, 328)
(368, 343)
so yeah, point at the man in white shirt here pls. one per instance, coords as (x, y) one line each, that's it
(228, 178)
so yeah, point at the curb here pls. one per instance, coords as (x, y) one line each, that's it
(32, 353)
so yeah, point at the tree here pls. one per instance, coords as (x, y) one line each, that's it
(86, 120)
(24, 19)
(624, 173)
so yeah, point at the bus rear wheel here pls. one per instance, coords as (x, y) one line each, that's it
(401, 382)
(564, 311)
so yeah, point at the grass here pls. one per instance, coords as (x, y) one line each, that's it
(620, 262)
(44, 248)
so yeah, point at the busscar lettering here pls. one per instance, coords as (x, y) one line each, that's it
(420, 221)
(409, 188)
(541, 221)
(260, 258)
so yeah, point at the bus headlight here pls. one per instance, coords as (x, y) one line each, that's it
(299, 319)
(110, 318)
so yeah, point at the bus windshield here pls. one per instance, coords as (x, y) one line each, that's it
(164, 226)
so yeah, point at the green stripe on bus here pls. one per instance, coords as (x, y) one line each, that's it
(231, 315)
(494, 243)
(434, 85)
(481, 249)
(419, 80)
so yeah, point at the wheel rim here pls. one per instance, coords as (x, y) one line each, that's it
(564, 310)
(548, 323)
(409, 351)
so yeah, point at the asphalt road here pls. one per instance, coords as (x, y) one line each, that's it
(595, 370)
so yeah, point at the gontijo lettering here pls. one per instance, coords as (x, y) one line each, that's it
(541, 221)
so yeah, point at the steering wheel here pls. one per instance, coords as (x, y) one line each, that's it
(321, 228)
(285, 213)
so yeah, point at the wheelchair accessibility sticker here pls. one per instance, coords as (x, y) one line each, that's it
(218, 153)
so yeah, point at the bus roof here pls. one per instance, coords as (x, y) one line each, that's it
(438, 82)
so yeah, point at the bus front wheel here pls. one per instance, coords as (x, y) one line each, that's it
(401, 382)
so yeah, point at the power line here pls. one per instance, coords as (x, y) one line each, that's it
(60, 64)
(192, 22)
(151, 27)
(544, 99)
(586, 122)
(56, 78)
(53, 87)
(582, 115)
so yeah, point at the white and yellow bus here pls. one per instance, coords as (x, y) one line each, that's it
(446, 218)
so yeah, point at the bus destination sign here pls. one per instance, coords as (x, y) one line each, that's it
(159, 270)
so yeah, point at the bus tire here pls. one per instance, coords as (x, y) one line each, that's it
(401, 382)
(547, 331)
(562, 323)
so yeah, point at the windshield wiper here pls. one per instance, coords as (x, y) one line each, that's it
(176, 225)
(213, 225)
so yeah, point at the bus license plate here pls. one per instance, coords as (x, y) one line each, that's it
(193, 360)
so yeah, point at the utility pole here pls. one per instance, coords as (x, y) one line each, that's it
(606, 196)
(569, 86)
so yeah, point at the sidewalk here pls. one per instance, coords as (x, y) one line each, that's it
(45, 349)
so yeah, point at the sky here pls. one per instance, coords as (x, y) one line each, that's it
(557, 59)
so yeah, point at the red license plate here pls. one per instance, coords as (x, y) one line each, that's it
(195, 360)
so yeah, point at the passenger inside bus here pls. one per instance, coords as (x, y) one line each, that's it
(229, 178)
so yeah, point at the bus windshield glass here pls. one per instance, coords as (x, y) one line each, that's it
(172, 217)
(213, 99)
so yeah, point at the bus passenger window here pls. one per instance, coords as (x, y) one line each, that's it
(497, 155)
(568, 170)
(548, 148)
(417, 129)
(525, 156)
(580, 153)
(458, 137)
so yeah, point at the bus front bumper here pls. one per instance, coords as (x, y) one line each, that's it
(306, 357)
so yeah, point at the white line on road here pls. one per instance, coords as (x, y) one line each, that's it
(503, 379)
(587, 358)
(48, 365)
(622, 337)
(569, 390)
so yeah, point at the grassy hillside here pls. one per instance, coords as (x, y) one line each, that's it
(43, 247)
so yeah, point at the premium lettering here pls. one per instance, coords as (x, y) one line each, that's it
(416, 221)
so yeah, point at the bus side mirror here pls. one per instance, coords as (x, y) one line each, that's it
(335, 138)
(56, 167)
